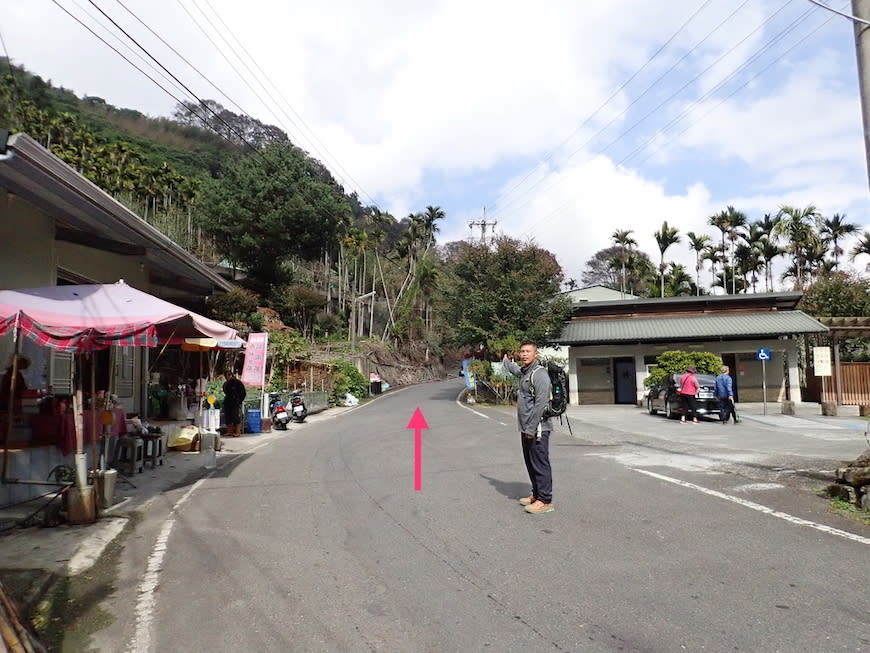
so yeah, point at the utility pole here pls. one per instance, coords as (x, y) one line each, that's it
(483, 224)
(861, 25)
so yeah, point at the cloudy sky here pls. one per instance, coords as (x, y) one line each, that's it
(566, 120)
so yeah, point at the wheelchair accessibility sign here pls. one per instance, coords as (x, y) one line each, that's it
(763, 354)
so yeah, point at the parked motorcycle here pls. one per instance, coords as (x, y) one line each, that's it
(278, 412)
(298, 411)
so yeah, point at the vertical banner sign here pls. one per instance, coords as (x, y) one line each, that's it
(822, 367)
(254, 372)
(822, 361)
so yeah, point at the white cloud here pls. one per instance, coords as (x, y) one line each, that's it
(586, 203)
(402, 92)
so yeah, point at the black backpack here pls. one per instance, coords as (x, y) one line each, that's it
(558, 390)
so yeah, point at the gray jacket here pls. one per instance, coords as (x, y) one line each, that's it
(531, 403)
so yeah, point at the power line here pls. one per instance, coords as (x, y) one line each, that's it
(802, 18)
(841, 13)
(286, 102)
(721, 84)
(742, 86)
(253, 75)
(165, 90)
(650, 87)
(186, 88)
(225, 58)
(180, 56)
(118, 52)
(128, 47)
(666, 100)
(235, 69)
(505, 194)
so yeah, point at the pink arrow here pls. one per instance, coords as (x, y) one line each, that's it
(418, 423)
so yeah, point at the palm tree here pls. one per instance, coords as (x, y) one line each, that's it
(735, 220)
(641, 273)
(714, 255)
(429, 220)
(622, 238)
(767, 223)
(427, 282)
(796, 225)
(861, 247)
(833, 229)
(814, 256)
(749, 263)
(679, 281)
(698, 244)
(720, 221)
(665, 237)
(769, 250)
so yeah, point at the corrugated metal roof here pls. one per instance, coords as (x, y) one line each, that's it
(688, 327)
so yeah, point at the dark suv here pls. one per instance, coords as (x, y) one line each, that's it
(665, 397)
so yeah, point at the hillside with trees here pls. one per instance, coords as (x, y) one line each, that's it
(237, 192)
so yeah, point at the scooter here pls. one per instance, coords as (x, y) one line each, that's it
(298, 411)
(279, 414)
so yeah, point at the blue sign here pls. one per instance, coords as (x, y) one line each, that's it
(763, 354)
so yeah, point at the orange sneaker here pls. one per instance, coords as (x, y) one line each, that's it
(527, 501)
(539, 508)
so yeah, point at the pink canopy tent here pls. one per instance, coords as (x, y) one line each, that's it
(89, 317)
(85, 318)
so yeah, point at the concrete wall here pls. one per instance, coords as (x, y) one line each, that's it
(102, 267)
(28, 257)
(592, 381)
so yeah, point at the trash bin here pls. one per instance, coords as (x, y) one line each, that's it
(208, 450)
(104, 481)
(252, 423)
(375, 387)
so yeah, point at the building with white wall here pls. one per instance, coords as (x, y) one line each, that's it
(612, 344)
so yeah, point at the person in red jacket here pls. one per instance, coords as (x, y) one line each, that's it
(688, 393)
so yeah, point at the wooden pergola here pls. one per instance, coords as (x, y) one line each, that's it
(845, 327)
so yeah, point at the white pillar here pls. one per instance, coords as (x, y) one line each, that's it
(573, 377)
(794, 381)
(639, 375)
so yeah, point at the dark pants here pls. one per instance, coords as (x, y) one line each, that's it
(689, 405)
(536, 453)
(232, 412)
(726, 409)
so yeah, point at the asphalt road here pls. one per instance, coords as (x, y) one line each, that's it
(318, 542)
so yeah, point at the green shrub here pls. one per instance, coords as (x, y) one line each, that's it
(676, 362)
(347, 378)
(480, 369)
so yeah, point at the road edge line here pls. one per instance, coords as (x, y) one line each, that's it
(830, 530)
(146, 601)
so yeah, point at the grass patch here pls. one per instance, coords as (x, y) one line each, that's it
(848, 510)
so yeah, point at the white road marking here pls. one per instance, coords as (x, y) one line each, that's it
(85, 557)
(144, 613)
(460, 404)
(145, 603)
(754, 487)
(757, 506)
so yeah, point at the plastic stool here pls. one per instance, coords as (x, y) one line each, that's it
(130, 454)
(153, 448)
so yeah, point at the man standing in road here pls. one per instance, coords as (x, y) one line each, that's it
(725, 393)
(533, 396)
